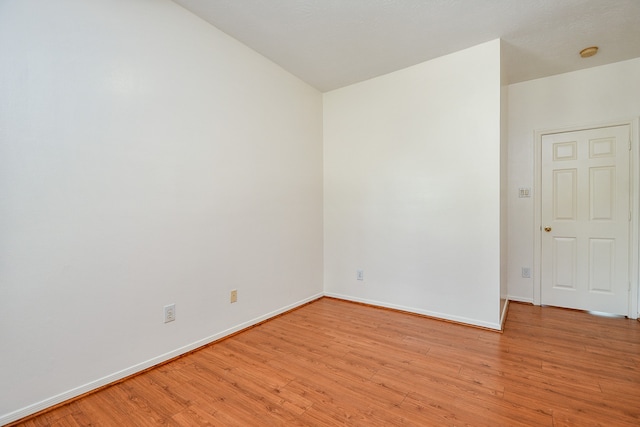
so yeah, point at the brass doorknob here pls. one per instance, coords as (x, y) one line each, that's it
(547, 229)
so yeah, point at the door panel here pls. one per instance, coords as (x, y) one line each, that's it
(585, 208)
(564, 262)
(602, 183)
(601, 265)
(565, 194)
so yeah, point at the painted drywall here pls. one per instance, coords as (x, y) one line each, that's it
(412, 188)
(504, 156)
(145, 159)
(598, 95)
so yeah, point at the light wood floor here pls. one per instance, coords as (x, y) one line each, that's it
(337, 363)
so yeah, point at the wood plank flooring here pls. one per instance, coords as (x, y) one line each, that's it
(337, 363)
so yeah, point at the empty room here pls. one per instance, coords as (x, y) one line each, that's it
(341, 212)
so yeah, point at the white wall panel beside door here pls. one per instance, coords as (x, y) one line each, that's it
(585, 219)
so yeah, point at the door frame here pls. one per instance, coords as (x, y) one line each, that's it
(634, 235)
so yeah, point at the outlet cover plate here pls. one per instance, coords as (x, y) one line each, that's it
(169, 313)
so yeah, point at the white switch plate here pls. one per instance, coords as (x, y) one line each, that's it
(524, 192)
(526, 272)
(360, 274)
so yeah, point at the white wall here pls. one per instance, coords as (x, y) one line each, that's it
(145, 159)
(412, 188)
(597, 95)
(504, 164)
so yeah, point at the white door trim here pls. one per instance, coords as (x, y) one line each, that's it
(634, 235)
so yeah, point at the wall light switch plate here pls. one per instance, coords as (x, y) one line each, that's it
(360, 274)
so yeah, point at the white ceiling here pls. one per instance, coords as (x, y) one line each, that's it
(334, 43)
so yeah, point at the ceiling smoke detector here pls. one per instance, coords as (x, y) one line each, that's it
(589, 51)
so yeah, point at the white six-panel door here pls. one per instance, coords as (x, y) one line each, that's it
(586, 219)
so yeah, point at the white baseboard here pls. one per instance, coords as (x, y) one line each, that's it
(70, 394)
(503, 316)
(520, 299)
(458, 319)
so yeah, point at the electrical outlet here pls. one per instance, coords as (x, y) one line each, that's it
(169, 313)
(526, 272)
(360, 274)
(234, 295)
